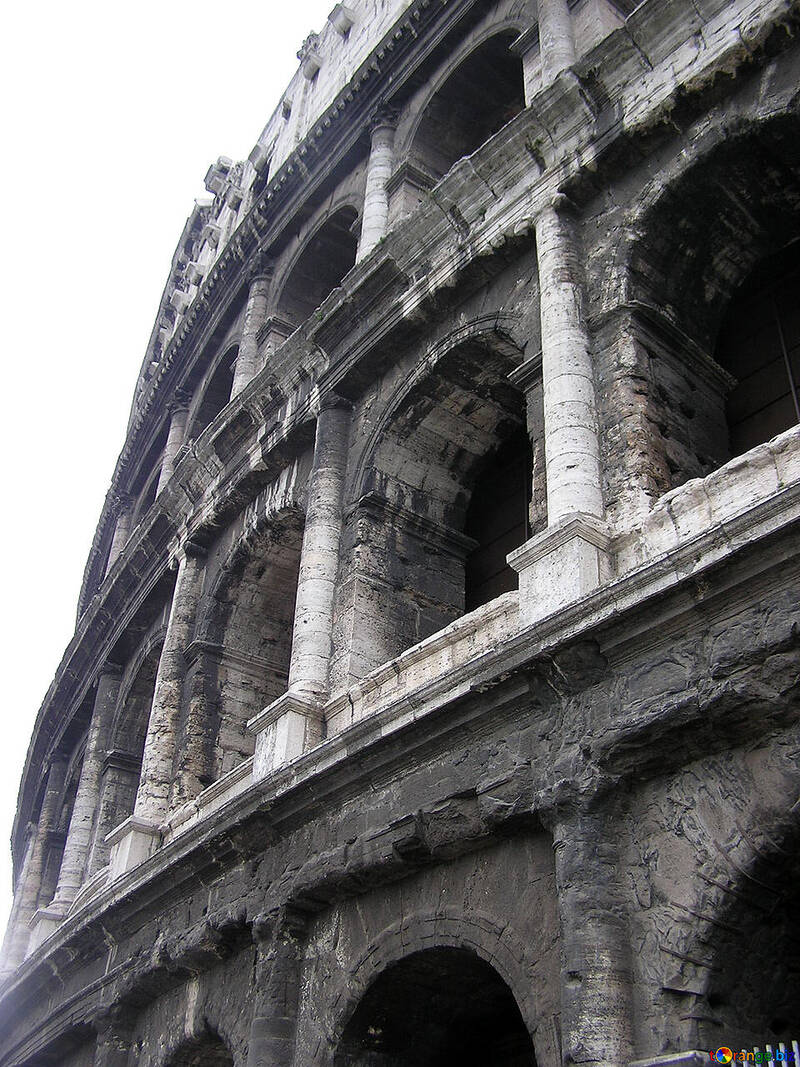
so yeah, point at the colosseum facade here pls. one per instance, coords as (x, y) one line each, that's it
(434, 693)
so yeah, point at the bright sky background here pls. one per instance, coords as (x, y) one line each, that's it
(112, 115)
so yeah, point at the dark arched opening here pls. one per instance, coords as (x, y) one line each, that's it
(245, 645)
(497, 518)
(759, 344)
(209, 1051)
(481, 95)
(437, 1008)
(322, 264)
(753, 995)
(216, 396)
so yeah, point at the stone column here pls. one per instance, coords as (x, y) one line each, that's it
(596, 985)
(114, 1042)
(293, 723)
(571, 557)
(319, 557)
(379, 170)
(119, 780)
(255, 315)
(136, 838)
(87, 797)
(571, 443)
(272, 1030)
(179, 411)
(29, 883)
(193, 764)
(556, 38)
(123, 510)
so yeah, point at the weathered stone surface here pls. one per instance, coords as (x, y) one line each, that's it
(357, 794)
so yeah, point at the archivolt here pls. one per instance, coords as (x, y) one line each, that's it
(495, 331)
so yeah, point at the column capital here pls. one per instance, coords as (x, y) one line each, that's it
(386, 116)
(180, 401)
(120, 502)
(561, 204)
(192, 548)
(260, 268)
(334, 402)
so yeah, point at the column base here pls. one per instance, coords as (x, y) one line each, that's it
(284, 730)
(560, 565)
(132, 842)
(44, 923)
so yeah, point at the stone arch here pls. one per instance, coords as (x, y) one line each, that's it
(474, 96)
(214, 394)
(447, 420)
(478, 937)
(122, 764)
(240, 659)
(697, 231)
(326, 255)
(737, 963)
(146, 496)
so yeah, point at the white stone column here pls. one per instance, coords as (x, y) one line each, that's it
(570, 558)
(179, 411)
(556, 38)
(255, 315)
(293, 723)
(135, 839)
(571, 444)
(379, 170)
(79, 836)
(123, 511)
(16, 943)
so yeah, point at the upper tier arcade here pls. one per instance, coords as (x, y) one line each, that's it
(473, 383)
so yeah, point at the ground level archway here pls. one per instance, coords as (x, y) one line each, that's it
(437, 1008)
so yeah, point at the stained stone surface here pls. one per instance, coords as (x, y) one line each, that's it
(477, 324)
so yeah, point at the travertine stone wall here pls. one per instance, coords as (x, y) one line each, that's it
(313, 765)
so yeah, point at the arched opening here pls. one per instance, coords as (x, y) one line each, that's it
(753, 995)
(329, 254)
(437, 1008)
(481, 95)
(208, 1051)
(759, 344)
(498, 520)
(443, 498)
(245, 642)
(705, 266)
(216, 395)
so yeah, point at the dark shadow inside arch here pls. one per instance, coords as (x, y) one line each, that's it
(208, 1051)
(329, 254)
(216, 396)
(481, 95)
(753, 992)
(442, 1007)
(759, 344)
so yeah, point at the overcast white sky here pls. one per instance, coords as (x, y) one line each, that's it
(112, 115)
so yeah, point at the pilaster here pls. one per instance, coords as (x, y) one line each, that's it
(139, 836)
(293, 722)
(375, 216)
(87, 798)
(571, 557)
(179, 411)
(255, 315)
